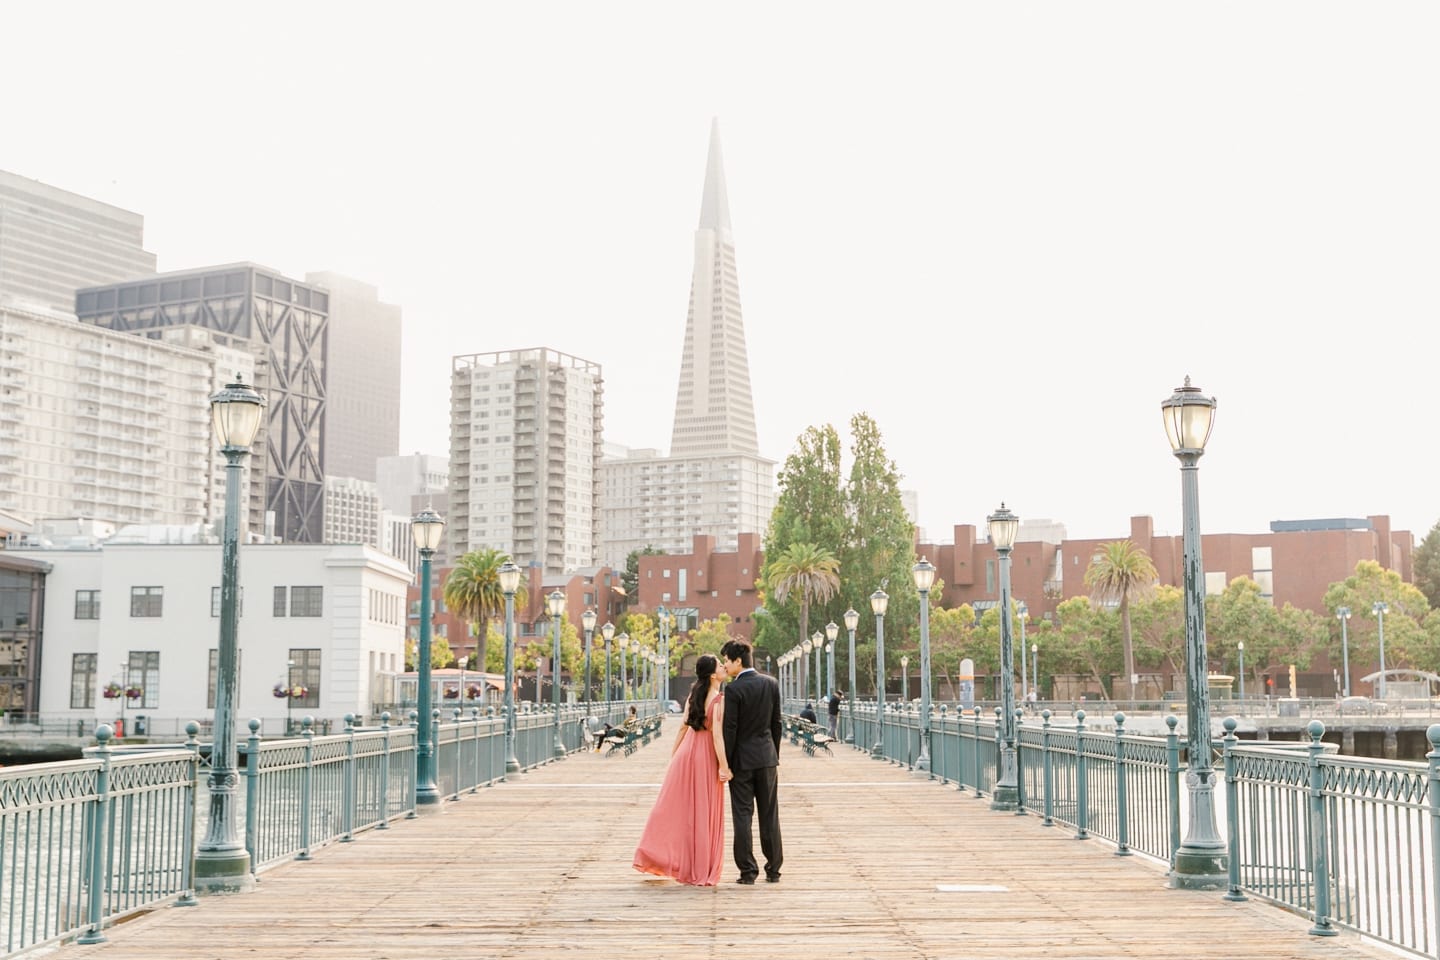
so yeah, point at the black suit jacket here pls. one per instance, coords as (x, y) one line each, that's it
(752, 722)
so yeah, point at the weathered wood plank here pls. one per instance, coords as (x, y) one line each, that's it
(540, 868)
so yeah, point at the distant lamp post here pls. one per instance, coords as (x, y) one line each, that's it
(587, 623)
(817, 643)
(879, 601)
(557, 612)
(852, 620)
(1035, 665)
(509, 583)
(1201, 860)
(1240, 649)
(1004, 525)
(427, 528)
(832, 630)
(663, 619)
(924, 575)
(905, 681)
(607, 634)
(1343, 615)
(222, 864)
(1022, 613)
(622, 647)
(1380, 608)
(805, 647)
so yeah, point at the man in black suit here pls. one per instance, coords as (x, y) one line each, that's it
(752, 749)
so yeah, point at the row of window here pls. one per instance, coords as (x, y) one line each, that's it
(150, 602)
(140, 675)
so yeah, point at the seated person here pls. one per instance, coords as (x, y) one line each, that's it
(808, 713)
(632, 721)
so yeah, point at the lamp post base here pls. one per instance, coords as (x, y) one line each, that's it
(877, 752)
(1200, 868)
(557, 751)
(512, 765)
(1005, 797)
(425, 796)
(223, 871)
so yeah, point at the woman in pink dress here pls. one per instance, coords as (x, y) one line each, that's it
(685, 835)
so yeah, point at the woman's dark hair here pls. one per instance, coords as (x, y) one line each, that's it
(704, 669)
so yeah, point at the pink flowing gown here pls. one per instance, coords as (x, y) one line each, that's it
(685, 835)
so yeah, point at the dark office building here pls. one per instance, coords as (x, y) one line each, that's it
(286, 323)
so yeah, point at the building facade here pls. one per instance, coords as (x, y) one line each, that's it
(103, 426)
(285, 324)
(352, 512)
(52, 242)
(525, 444)
(362, 410)
(146, 618)
(705, 582)
(714, 481)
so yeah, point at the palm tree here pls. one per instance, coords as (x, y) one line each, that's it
(1119, 571)
(810, 572)
(473, 591)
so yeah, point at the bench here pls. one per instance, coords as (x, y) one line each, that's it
(631, 740)
(808, 736)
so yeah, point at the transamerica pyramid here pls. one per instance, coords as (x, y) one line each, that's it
(714, 410)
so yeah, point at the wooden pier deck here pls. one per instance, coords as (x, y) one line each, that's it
(879, 865)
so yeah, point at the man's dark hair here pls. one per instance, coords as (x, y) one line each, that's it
(737, 650)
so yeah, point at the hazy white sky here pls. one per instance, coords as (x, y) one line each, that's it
(1006, 231)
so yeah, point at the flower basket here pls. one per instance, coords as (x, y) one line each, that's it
(111, 691)
(297, 691)
(472, 692)
(451, 693)
(281, 691)
(134, 693)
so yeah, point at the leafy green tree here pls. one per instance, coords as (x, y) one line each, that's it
(953, 638)
(1119, 572)
(1158, 620)
(473, 591)
(441, 656)
(1427, 566)
(630, 579)
(1406, 640)
(1085, 642)
(807, 572)
(1239, 614)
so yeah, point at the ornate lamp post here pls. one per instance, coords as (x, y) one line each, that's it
(852, 619)
(663, 620)
(587, 622)
(905, 681)
(607, 634)
(557, 612)
(1003, 527)
(832, 630)
(427, 528)
(879, 600)
(222, 864)
(1343, 615)
(1035, 665)
(817, 643)
(635, 665)
(1022, 613)
(805, 647)
(1240, 649)
(622, 647)
(1380, 608)
(1201, 861)
(509, 583)
(924, 574)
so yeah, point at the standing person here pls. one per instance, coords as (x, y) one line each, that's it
(684, 837)
(752, 745)
(834, 710)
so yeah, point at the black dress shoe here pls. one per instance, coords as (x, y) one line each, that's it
(745, 880)
(772, 878)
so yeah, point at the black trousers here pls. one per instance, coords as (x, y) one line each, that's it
(751, 792)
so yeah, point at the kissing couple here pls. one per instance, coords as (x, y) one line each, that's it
(730, 735)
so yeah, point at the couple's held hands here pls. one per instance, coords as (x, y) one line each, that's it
(725, 774)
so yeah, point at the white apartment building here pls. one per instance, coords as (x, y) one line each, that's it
(107, 426)
(525, 443)
(330, 618)
(352, 511)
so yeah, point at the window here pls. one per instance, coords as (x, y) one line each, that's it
(306, 601)
(213, 673)
(143, 670)
(82, 681)
(146, 601)
(280, 601)
(989, 576)
(215, 602)
(305, 672)
(87, 606)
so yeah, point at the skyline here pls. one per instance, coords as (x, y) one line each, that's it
(988, 229)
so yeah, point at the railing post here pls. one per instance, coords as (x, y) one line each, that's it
(1432, 733)
(413, 813)
(976, 711)
(1122, 842)
(1082, 789)
(937, 754)
(475, 722)
(1319, 847)
(1232, 810)
(999, 745)
(1172, 776)
(187, 867)
(347, 834)
(384, 823)
(1019, 763)
(99, 818)
(1049, 820)
(252, 792)
(457, 715)
(306, 786)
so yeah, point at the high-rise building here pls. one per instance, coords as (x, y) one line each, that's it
(407, 485)
(102, 426)
(362, 370)
(352, 512)
(286, 325)
(714, 481)
(53, 242)
(525, 441)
